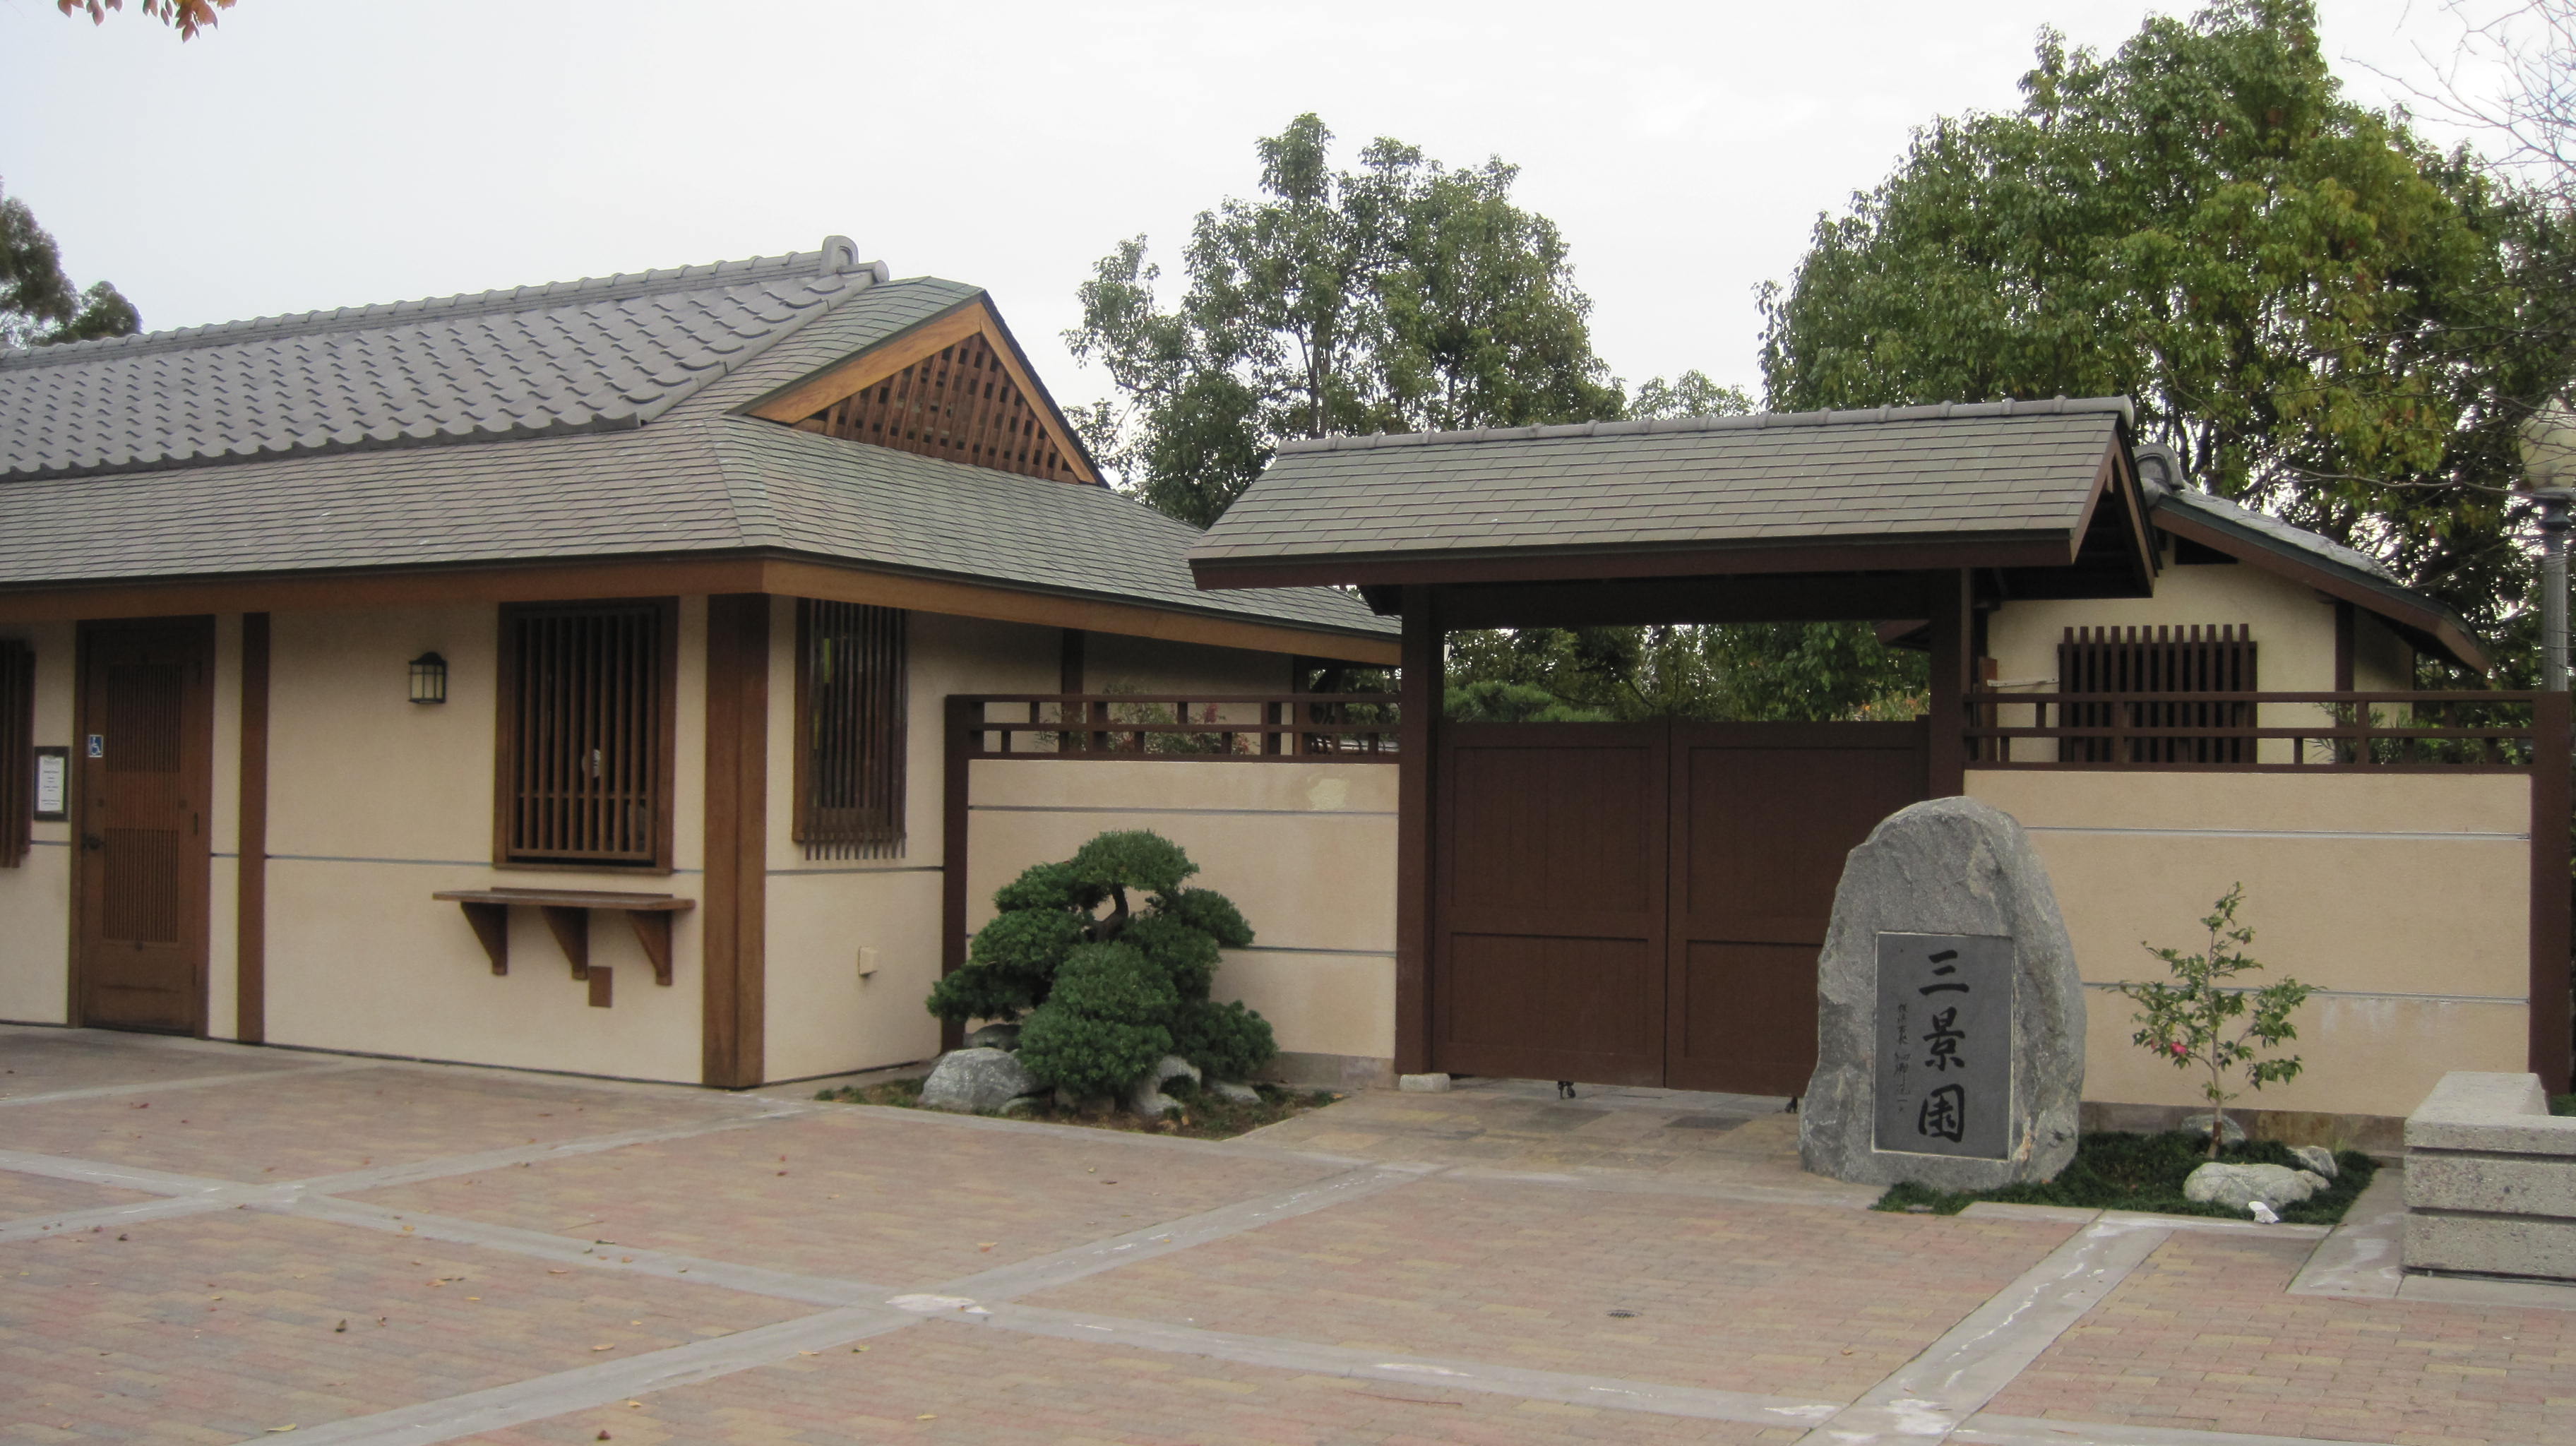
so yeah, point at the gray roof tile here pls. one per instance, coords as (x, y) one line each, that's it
(1922, 471)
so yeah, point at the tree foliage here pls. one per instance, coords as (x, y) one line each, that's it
(1105, 995)
(2202, 1021)
(1401, 296)
(2323, 315)
(190, 16)
(1731, 672)
(38, 301)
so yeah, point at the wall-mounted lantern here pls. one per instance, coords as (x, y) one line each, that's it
(429, 679)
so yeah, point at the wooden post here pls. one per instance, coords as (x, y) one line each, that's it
(734, 932)
(2551, 1041)
(250, 902)
(957, 750)
(1069, 670)
(1951, 598)
(1418, 737)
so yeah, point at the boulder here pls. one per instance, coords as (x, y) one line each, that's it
(1146, 1098)
(969, 1080)
(1963, 870)
(995, 1036)
(2317, 1158)
(1232, 1093)
(2230, 1132)
(2239, 1186)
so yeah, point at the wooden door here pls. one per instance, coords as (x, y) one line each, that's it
(1549, 958)
(1762, 817)
(145, 756)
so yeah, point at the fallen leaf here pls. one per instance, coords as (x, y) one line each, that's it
(925, 1417)
(340, 1329)
(473, 1297)
(809, 1353)
(603, 1348)
(626, 1260)
(858, 1350)
(273, 1430)
(558, 1272)
(987, 1245)
(120, 1237)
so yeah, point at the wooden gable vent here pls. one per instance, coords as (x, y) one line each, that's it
(952, 390)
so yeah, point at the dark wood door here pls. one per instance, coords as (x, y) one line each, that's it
(1762, 817)
(145, 758)
(1550, 956)
(1644, 903)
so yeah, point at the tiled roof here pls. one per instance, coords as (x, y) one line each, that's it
(1890, 474)
(2298, 539)
(579, 356)
(700, 478)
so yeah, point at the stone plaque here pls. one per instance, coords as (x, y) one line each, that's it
(1945, 1044)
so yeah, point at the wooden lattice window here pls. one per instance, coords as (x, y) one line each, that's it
(2189, 659)
(958, 403)
(17, 751)
(850, 700)
(587, 710)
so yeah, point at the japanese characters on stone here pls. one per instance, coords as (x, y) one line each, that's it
(1945, 1044)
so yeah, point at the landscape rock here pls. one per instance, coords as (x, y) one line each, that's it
(1146, 1098)
(968, 1080)
(1232, 1093)
(2231, 1134)
(2238, 1186)
(995, 1036)
(1425, 1084)
(1951, 866)
(2317, 1158)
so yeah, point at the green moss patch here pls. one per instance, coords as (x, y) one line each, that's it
(1202, 1116)
(2146, 1172)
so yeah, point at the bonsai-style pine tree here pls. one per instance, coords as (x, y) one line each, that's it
(1102, 996)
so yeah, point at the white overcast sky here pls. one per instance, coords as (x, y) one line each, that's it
(317, 153)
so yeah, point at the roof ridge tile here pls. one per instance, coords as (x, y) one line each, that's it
(1755, 421)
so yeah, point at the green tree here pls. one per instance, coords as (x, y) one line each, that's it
(2203, 1021)
(38, 302)
(1106, 995)
(1722, 672)
(1401, 296)
(2323, 315)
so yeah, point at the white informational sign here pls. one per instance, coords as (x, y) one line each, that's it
(53, 783)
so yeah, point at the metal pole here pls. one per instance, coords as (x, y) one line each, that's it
(2553, 582)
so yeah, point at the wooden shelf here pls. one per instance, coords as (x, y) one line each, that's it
(567, 914)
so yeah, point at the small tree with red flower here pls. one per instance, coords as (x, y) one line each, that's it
(2201, 1020)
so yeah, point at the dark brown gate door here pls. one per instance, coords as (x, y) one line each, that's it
(145, 756)
(1644, 903)
(1550, 957)
(1763, 815)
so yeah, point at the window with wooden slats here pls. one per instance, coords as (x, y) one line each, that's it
(587, 709)
(959, 403)
(17, 751)
(2189, 659)
(850, 700)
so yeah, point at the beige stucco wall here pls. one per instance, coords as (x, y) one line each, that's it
(1307, 851)
(2403, 897)
(2293, 628)
(376, 802)
(35, 898)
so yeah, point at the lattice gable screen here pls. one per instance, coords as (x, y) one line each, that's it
(961, 404)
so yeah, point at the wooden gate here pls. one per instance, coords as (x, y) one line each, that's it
(146, 765)
(1644, 903)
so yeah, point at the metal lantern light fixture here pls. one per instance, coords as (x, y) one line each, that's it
(429, 679)
(2549, 466)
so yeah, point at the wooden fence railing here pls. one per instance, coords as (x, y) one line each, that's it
(1176, 727)
(2302, 731)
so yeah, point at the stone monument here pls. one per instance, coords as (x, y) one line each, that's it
(1949, 1018)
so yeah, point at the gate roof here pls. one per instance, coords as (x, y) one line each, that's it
(2046, 486)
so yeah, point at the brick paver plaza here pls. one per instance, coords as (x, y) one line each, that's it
(205, 1243)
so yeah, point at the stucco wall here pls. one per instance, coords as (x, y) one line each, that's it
(35, 898)
(2403, 897)
(2293, 628)
(376, 802)
(1307, 851)
(823, 1018)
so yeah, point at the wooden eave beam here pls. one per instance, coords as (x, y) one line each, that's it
(2431, 624)
(849, 378)
(680, 577)
(1765, 597)
(2049, 548)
